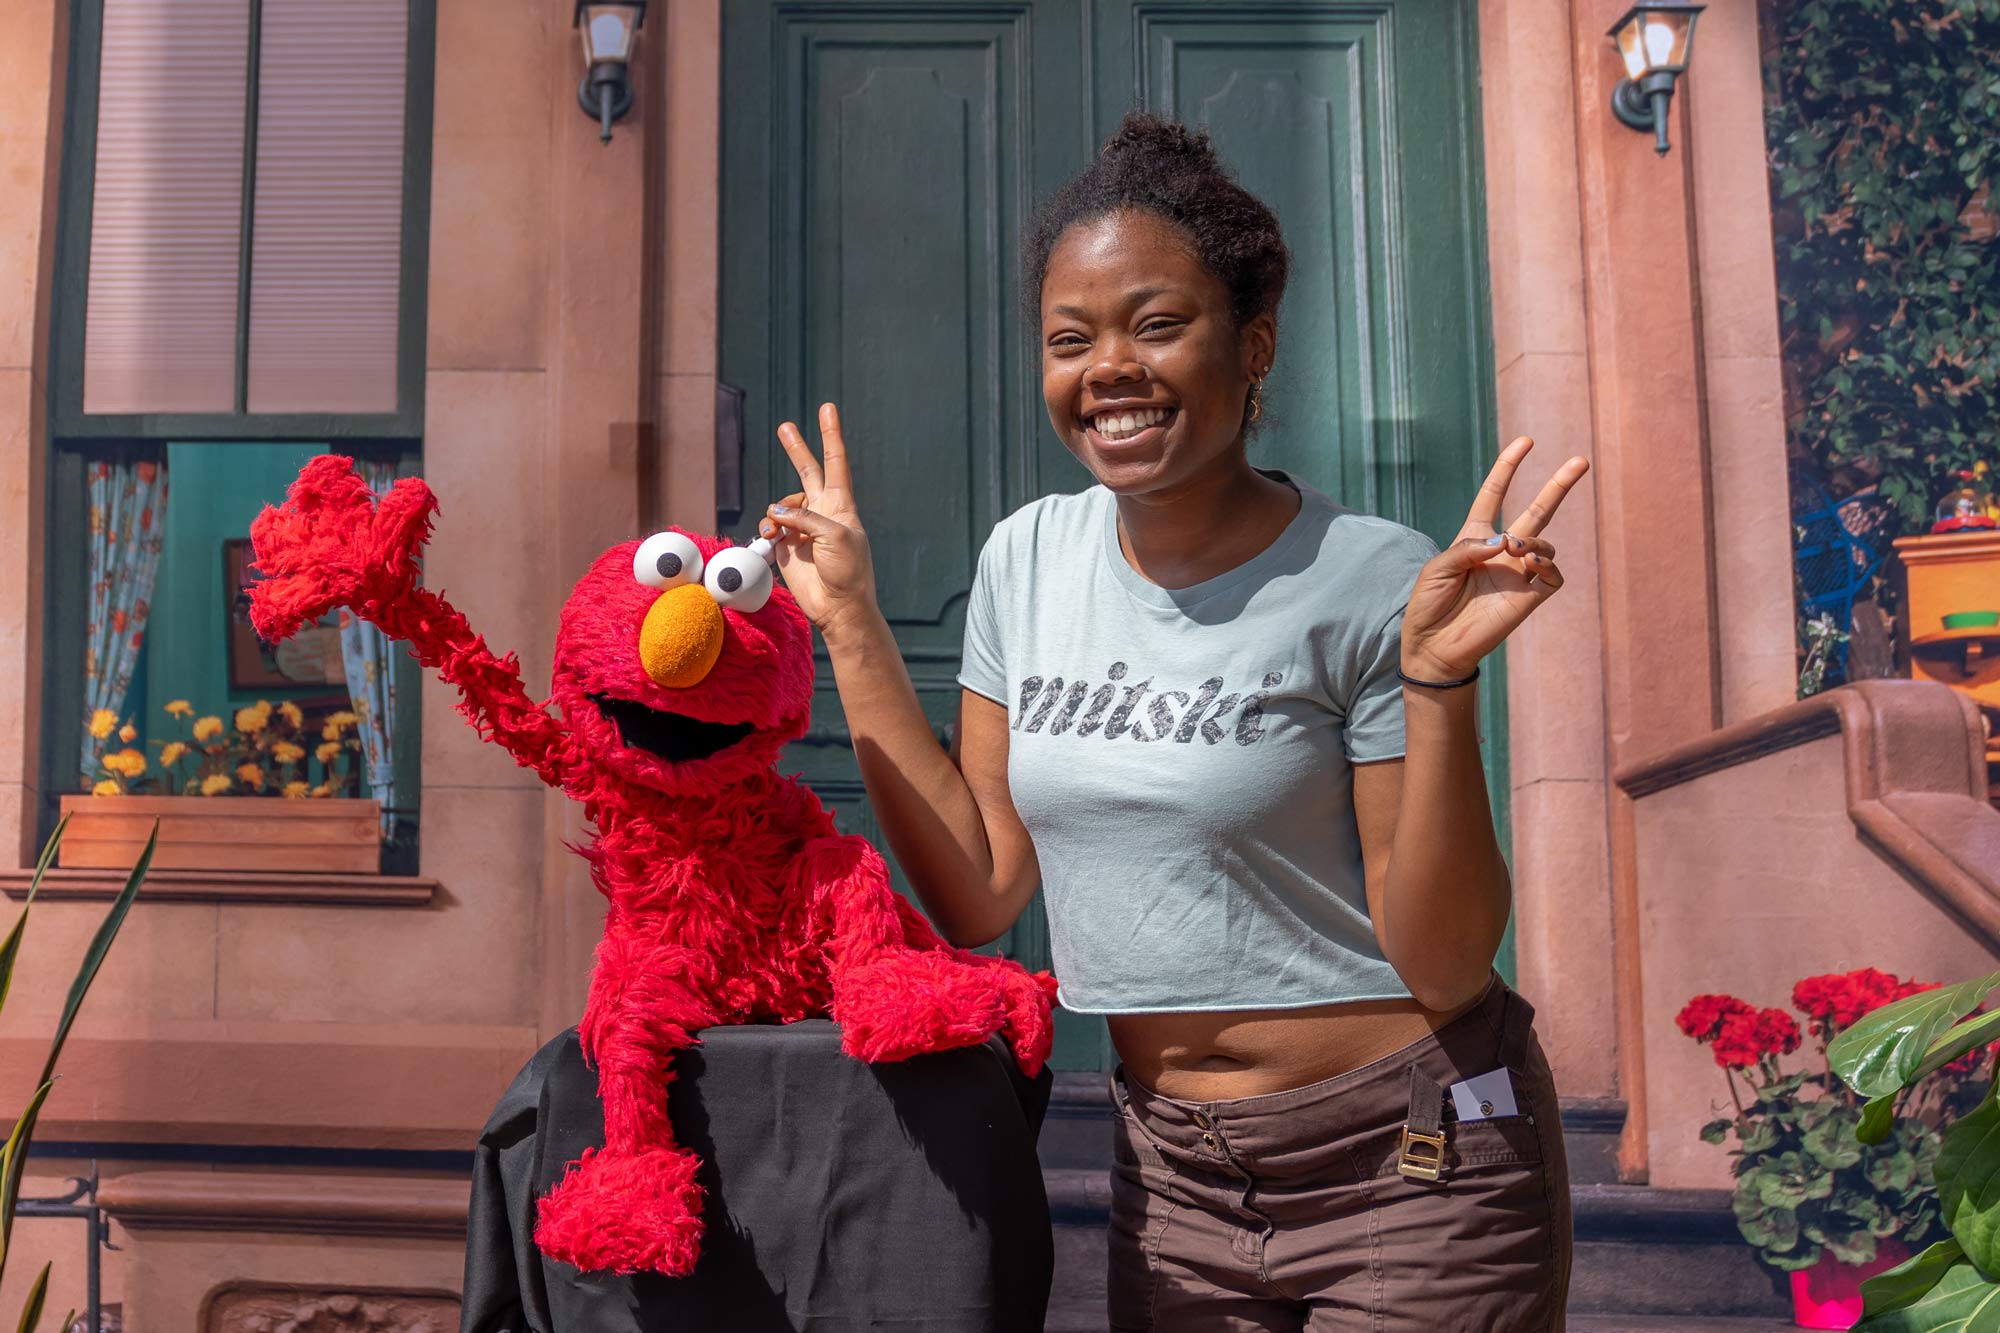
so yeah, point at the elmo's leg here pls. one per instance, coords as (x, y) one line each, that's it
(633, 1206)
(899, 990)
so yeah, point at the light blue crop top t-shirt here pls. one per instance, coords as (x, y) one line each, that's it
(1182, 757)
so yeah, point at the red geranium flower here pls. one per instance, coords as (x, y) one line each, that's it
(1704, 1015)
(1749, 1036)
(1838, 1000)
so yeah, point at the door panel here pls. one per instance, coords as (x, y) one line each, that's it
(879, 164)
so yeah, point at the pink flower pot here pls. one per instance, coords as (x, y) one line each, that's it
(1828, 1295)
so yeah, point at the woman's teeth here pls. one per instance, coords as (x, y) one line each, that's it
(1123, 425)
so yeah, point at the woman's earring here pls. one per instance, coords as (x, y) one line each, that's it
(1256, 399)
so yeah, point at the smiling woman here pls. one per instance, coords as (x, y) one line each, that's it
(1291, 936)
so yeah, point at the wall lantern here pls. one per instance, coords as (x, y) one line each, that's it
(610, 33)
(1655, 38)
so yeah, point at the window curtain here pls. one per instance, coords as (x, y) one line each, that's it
(128, 510)
(371, 680)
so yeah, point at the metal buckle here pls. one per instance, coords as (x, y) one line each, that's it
(1423, 1155)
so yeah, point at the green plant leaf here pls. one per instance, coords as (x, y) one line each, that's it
(1882, 1053)
(1832, 1142)
(13, 1159)
(31, 1309)
(10, 949)
(1968, 1182)
(1960, 1301)
(1977, 1030)
(93, 957)
(1878, 1117)
(1715, 1131)
(1906, 1282)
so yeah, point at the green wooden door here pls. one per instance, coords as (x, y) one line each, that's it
(878, 165)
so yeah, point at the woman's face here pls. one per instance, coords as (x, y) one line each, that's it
(1143, 369)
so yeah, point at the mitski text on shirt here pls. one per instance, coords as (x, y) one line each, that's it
(1174, 714)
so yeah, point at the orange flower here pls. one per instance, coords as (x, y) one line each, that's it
(102, 723)
(171, 752)
(295, 791)
(215, 784)
(290, 712)
(108, 787)
(252, 720)
(329, 751)
(207, 728)
(179, 708)
(128, 733)
(287, 753)
(127, 763)
(251, 775)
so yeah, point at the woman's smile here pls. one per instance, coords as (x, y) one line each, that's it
(1119, 426)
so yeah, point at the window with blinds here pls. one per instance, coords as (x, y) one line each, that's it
(247, 212)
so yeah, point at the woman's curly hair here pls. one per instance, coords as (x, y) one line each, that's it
(1162, 167)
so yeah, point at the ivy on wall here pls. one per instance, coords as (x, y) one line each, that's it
(1883, 124)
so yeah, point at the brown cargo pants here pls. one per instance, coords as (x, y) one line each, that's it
(1293, 1211)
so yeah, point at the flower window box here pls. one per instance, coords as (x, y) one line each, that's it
(339, 835)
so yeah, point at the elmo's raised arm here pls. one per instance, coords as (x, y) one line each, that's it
(330, 545)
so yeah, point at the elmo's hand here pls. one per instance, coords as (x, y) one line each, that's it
(331, 545)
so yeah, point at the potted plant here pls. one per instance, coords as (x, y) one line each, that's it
(270, 790)
(1890, 1055)
(1815, 1203)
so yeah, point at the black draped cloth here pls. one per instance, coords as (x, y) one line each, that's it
(842, 1196)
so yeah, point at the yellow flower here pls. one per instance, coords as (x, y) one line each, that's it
(250, 774)
(290, 712)
(171, 752)
(128, 733)
(179, 708)
(126, 763)
(108, 787)
(296, 791)
(208, 728)
(324, 789)
(329, 751)
(251, 720)
(215, 784)
(102, 723)
(342, 719)
(287, 753)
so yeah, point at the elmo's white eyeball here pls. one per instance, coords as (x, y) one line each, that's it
(667, 560)
(739, 578)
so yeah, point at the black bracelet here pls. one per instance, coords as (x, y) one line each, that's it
(1438, 684)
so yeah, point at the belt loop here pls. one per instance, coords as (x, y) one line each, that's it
(1423, 1152)
(1517, 1024)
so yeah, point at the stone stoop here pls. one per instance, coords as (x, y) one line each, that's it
(1647, 1260)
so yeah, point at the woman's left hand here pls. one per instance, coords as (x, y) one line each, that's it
(1475, 592)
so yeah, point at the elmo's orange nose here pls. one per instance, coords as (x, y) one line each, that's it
(682, 636)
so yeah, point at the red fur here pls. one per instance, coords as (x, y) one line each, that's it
(732, 897)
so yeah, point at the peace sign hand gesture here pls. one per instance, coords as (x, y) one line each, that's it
(821, 547)
(1478, 590)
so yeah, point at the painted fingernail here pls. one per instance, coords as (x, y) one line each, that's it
(781, 509)
(1496, 539)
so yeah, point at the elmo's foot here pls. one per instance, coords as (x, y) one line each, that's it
(625, 1212)
(914, 1003)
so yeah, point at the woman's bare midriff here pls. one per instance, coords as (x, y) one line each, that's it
(1219, 1056)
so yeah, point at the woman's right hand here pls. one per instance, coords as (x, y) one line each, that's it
(821, 547)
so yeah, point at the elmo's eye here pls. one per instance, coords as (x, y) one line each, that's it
(739, 579)
(667, 560)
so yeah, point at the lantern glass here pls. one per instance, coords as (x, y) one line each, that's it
(1656, 41)
(609, 32)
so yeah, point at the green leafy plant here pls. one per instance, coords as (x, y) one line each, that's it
(1883, 126)
(1805, 1185)
(1882, 1058)
(14, 1154)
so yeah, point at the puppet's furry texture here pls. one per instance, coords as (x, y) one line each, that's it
(733, 899)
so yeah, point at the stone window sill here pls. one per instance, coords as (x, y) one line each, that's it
(228, 886)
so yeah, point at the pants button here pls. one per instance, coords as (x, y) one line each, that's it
(1209, 1141)
(1201, 1119)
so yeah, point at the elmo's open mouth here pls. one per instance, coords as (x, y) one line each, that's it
(672, 737)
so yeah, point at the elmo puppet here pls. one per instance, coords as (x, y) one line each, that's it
(680, 672)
